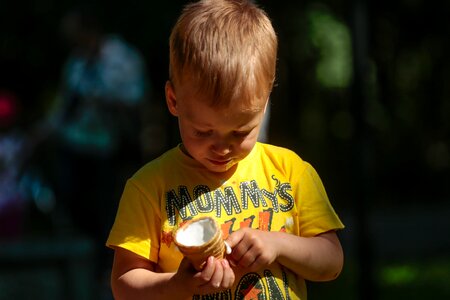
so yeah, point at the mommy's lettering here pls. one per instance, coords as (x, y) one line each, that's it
(226, 200)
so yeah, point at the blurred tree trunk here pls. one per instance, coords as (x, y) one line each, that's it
(360, 168)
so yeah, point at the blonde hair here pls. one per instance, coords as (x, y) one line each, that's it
(226, 48)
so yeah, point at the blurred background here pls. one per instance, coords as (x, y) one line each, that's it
(362, 92)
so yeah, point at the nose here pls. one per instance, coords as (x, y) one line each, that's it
(221, 146)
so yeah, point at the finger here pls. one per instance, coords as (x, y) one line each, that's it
(208, 270)
(234, 238)
(256, 265)
(247, 259)
(216, 278)
(228, 275)
(240, 249)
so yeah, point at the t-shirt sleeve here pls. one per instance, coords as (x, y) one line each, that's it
(315, 212)
(136, 225)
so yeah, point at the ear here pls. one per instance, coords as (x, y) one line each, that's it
(267, 103)
(171, 99)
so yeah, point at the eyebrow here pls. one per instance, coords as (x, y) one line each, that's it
(247, 127)
(200, 124)
(207, 126)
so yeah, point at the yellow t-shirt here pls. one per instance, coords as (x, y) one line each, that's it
(271, 189)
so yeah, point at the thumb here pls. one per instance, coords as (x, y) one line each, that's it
(186, 265)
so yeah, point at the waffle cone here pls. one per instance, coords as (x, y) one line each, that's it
(199, 239)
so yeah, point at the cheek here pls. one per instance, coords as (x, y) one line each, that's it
(186, 138)
(247, 145)
(194, 146)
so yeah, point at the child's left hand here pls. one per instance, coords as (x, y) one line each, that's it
(252, 249)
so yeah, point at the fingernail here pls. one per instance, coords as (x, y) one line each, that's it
(228, 248)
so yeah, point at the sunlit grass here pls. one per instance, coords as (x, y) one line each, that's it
(396, 279)
(415, 279)
(398, 275)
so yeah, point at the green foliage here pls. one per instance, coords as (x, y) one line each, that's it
(332, 39)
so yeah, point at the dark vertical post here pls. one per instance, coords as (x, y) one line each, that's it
(361, 152)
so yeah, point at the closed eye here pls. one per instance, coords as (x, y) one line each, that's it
(241, 133)
(199, 133)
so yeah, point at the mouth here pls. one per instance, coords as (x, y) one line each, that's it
(219, 162)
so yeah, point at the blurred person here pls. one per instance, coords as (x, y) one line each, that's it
(12, 145)
(97, 120)
(104, 85)
(270, 204)
(20, 182)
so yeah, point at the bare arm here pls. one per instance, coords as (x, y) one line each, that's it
(318, 258)
(134, 277)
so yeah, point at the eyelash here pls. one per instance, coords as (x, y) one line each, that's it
(241, 134)
(203, 133)
(238, 134)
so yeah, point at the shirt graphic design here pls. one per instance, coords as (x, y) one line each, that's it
(272, 189)
(257, 207)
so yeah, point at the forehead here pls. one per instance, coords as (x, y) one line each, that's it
(223, 94)
(238, 114)
(198, 109)
(188, 92)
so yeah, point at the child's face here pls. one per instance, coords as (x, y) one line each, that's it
(216, 138)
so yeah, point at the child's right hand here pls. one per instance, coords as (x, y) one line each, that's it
(216, 276)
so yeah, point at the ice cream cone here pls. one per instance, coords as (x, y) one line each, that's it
(199, 239)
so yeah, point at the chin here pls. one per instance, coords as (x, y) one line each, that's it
(220, 168)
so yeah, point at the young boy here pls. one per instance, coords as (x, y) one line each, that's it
(270, 204)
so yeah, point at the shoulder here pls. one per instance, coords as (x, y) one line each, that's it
(278, 153)
(157, 168)
(275, 150)
(150, 180)
(282, 158)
